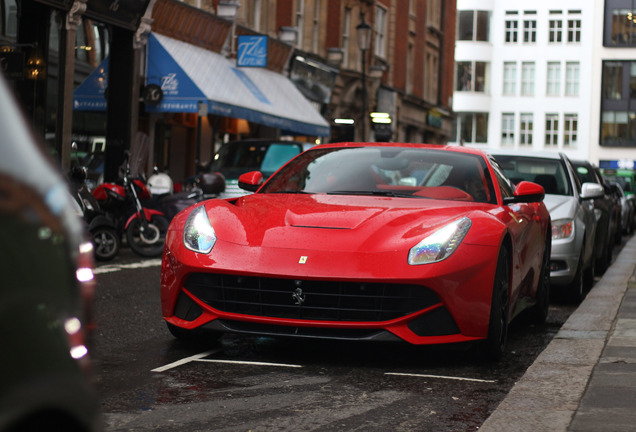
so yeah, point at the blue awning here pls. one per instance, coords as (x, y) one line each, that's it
(188, 74)
(90, 95)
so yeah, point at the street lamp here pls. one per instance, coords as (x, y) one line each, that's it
(363, 31)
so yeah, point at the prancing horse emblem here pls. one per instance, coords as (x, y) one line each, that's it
(298, 296)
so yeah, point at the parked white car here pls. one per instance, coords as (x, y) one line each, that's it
(571, 208)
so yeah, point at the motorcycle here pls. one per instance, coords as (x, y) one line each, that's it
(106, 239)
(145, 228)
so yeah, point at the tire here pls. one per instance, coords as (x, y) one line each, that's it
(494, 346)
(148, 244)
(106, 242)
(542, 305)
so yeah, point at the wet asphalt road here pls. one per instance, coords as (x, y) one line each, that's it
(150, 381)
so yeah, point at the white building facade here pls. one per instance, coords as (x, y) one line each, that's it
(547, 75)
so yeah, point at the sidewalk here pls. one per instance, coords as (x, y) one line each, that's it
(585, 380)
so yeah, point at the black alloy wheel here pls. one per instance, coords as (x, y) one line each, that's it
(106, 242)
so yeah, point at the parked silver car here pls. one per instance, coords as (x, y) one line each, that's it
(571, 208)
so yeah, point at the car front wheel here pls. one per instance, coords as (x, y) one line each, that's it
(495, 344)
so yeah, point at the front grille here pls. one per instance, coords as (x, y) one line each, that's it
(308, 299)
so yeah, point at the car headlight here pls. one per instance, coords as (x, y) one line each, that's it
(441, 244)
(562, 228)
(198, 234)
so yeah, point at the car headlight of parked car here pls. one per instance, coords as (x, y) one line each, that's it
(441, 244)
(198, 234)
(562, 229)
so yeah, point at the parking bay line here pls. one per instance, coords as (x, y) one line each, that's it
(109, 268)
(201, 358)
(440, 377)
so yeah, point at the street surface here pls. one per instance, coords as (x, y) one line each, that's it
(150, 381)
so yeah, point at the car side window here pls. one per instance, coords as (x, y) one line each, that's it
(505, 185)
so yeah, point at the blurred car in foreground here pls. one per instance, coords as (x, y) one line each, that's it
(608, 215)
(237, 157)
(46, 291)
(376, 241)
(571, 209)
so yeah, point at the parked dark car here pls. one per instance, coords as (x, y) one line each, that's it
(607, 210)
(265, 155)
(46, 263)
(627, 206)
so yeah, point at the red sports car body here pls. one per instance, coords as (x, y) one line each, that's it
(364, 241)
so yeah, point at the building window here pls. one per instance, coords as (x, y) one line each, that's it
(9, 19)
(632, 80)
(556, 31)
(507, 129)
(346, 37)
(510, 79)
(255, 11)
(570, 130)
(380, 31)
(527, 78)
(618, 128)
(512, 27)
(409, 68)
(473, 26)
(433, 13)
(554, 79)
(316, 29)
(574, 30)
(473, 128)
(471, 76)
(623, 28)
(572, 72)
(525, 130)
(551, 130)
(300, 13)
(613, 80)
(431, 78)
(530, 31)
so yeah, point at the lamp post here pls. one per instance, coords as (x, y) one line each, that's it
(363, 31)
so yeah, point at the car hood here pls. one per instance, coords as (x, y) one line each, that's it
(561, 206)
(326, 222)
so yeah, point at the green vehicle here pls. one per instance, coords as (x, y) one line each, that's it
(625, 177)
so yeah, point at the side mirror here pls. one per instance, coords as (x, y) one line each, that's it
(526, 192)
(251, 181)
(592, 190)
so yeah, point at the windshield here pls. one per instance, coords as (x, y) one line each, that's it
(387, 171)
(549, 173)
(236, 158)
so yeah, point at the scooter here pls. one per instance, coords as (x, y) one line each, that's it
(106, 239)
(145, 228)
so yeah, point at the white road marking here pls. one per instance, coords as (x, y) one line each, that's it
(440, 377)
(117, 267)
(201, 358)
(184, 361)
(249, 363)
